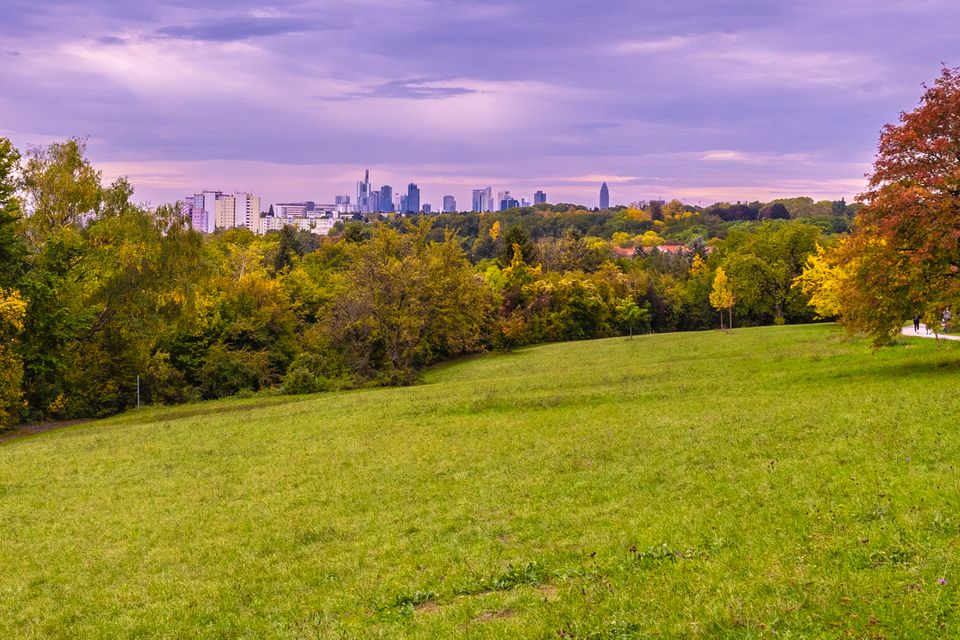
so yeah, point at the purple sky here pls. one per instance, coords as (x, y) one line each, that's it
(702, 100)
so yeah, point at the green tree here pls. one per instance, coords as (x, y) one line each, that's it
(516, 235)
(630, 313)
(406, 302)
(12, 248)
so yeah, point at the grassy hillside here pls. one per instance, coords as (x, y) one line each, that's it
(776, 482)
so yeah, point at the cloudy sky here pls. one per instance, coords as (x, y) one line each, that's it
(702, 100)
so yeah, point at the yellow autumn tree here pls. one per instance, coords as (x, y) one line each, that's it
(721, 297)
(698, 266)
(823, 279)
(495, 231)
(12, 310)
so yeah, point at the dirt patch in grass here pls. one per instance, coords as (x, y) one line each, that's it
(427, 608)
(549, 592)
(490, 616)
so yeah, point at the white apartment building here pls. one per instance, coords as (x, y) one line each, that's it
(211, 210)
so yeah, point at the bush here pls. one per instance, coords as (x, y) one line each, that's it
(299, 380)
(227, 371)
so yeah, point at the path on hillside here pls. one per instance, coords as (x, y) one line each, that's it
(31, 429)
(908, 331)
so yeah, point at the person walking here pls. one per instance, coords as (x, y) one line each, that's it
(916, 324)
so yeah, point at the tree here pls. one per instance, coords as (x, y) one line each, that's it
(905, 247)
(12, 310)
(406, 302)
(775, 211)
(62, 188)
(721, 297)
(630, 314)
(12, 248)
(516, 235)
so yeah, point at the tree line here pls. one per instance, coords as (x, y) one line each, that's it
(97, 292)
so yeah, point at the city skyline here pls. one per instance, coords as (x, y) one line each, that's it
(692, 100)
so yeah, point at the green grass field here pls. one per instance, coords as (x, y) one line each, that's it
(780, 482)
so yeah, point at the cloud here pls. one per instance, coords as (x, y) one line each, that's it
(672, 43)
(413, 88)
(243, 27)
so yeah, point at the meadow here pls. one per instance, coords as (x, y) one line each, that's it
(779, 482)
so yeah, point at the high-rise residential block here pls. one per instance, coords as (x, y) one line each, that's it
(449, 204)
(539, 198)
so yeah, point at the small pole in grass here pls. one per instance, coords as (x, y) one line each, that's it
(138, 391)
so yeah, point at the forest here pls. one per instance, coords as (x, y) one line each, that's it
(100, 296)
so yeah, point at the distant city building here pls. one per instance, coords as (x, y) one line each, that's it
(604, 196)
(212, 210)
(386, 199)
(365, 203)
(305, 216)
(403, 203)
(201, 210)
(506, 201)
(524, 202)
(413, 199)
(343, 204)
(426, 208)
(482, 200)
(539, 198)
(449, 204)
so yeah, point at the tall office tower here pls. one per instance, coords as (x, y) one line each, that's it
(386, 199)
(403, 208)
(509, 203)
(539, 198)
(426, 208)
(364, 192)
(413, 199)
(604, 196)
(506, 201)
(483, 199)
(477, 201)
(449, 204)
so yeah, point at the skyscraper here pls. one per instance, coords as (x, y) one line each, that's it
(413, 198)
(364, 192)
(449, 204)
(386, 199)
(539, 198)
(483, 199)
(604, 196)
(506, 201)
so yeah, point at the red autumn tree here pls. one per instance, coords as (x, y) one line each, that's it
(903, 257)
